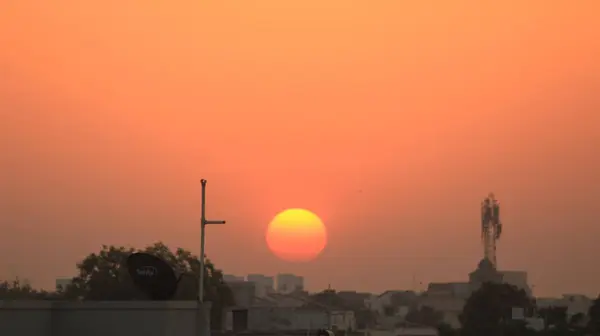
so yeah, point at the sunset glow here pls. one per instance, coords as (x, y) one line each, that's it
(389, 119)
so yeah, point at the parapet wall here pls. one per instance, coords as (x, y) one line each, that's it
(110, 318)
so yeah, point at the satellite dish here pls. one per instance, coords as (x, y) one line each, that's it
(152, 275)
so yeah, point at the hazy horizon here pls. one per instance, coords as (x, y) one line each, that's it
(390, 120)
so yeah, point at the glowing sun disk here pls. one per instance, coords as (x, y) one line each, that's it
(296, 235)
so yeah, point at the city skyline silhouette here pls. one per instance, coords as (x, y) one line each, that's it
(391, 121)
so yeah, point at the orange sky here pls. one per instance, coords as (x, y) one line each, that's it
(390, 119)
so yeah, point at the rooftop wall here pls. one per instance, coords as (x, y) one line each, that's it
(114, 318)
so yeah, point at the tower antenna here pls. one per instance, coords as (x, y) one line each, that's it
(491, 227)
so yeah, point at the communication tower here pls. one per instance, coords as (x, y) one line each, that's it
(491, 227)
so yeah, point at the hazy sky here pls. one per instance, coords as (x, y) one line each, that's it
(389, 119)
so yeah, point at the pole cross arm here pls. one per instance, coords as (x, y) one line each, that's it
(214, 222)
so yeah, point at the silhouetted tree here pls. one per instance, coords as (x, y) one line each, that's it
(17, 290)
(555, 318)
(445, 329)
(577, 319)
(425, 316)
(488, 311)
(558, 323)
(594, 318)
(104, 276)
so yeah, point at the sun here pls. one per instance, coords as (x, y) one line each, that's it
(296, 235)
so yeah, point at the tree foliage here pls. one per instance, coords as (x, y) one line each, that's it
(594, 317)
(488, 311)
(554, 318)
(103, 276)
(17, 290)
(426, 316)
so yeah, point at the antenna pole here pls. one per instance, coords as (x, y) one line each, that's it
(203, 223)
(491, 227)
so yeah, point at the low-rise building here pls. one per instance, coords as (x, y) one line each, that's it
(575, 303)
(447, 298)
(289, 283)
(390, 303)
(229, 278)
(517, 279)
(342, 320)
(391, 307)
(275, 319)
(264, 284)
(281, 300)
(271, 318)
(287, 312)
(244, 293)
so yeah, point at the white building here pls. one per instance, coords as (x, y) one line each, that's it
(264, 284)
(577, 304)
(289, 283)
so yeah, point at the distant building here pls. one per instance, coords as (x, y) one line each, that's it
(232, 278)
(353, 298)
(264, 284)
(391, 307)
(342, 320)
(264, 318)
(485, 272)
(517, 279)
(391, 302)
(447, 298)
(282, 300)
(63, 283)
(289, 283)
(243, 293)
(267, 315)
(461, 290)
(575, 303)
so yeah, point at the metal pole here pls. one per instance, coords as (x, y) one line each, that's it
(202, 233)
(203, 223)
